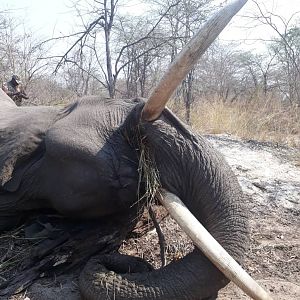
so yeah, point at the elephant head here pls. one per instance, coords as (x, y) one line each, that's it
(84, 161)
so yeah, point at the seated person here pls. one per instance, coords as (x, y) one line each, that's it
(15, 90)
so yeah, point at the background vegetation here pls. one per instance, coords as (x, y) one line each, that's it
(255, 95)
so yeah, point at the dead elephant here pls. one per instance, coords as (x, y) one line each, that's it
(83, 161)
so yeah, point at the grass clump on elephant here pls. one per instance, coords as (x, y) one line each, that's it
(84, 162)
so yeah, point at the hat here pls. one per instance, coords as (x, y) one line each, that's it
(16, 78)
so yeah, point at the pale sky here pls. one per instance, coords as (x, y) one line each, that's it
(52, 17)
(242, 28)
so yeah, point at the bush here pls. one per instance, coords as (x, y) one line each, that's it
(259, 119)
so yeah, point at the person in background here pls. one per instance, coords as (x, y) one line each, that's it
(14, 89)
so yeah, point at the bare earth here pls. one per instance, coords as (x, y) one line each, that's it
(271, 177)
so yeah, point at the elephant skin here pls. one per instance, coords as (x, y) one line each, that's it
(83, 160)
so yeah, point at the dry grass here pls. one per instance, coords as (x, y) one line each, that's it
(260, 119)
(15, 249)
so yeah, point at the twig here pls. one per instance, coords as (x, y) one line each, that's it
(161, 237)
(5, 256)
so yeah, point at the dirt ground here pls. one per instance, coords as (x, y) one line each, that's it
(270, 176)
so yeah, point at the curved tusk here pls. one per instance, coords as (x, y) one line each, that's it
(210, 247)
(187, 58)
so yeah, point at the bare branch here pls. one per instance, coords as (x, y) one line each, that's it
(83, 35)
(144, 37)
(89, 73)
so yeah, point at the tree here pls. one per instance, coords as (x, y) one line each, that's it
(103, 24)
(139, 55)
(286, 48)
(218, 72)
(260, 69)
(21, 52)
(287, 52)
(99, 24)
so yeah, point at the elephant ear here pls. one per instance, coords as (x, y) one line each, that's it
(22, 132)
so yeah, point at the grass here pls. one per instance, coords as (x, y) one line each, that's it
(259, 119)
(15, 249)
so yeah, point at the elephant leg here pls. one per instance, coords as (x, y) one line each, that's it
(8, 222)
(9, 216)
(212, 297)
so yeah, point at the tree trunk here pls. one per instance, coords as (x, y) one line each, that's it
(188, 96)
(107, 31)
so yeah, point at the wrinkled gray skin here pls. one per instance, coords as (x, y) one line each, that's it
(82, 161)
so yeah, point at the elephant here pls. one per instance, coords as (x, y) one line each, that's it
(78, 160)
(83, 161)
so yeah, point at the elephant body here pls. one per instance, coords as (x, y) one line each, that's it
(96, 158)
(83, 160)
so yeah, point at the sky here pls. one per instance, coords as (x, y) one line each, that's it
(50, 18)
(252, 33)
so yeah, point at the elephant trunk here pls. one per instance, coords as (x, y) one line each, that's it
(191, 169)
(193, 277)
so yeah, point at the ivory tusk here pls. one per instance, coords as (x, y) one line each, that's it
(210, 247)
(187, 58)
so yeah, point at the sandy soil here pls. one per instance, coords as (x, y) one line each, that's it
(271, 177)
